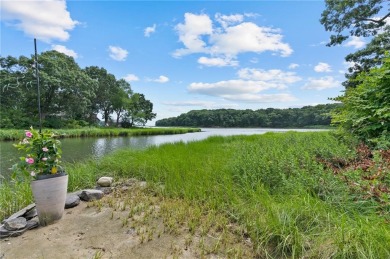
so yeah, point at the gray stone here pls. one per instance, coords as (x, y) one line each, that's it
(105, 181)
(4, 233)
(105, 190)
(32, 224)
(15, 224)
(91, 194)
(31, 214)
(20, 213)
(72, 200)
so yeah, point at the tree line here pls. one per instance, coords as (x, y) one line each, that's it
(307, 116)
(69, 95)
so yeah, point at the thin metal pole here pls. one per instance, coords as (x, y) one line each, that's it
(39, 92)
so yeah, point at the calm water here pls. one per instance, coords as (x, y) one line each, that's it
(78, 149)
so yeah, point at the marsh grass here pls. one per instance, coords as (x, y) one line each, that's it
(13, 134)
(271, 186)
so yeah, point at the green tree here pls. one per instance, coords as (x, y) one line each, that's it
(122, 99)
(139, 111)
(359, 18)
(65, 89)
(105, 92)
(16, 82)
(366, 109)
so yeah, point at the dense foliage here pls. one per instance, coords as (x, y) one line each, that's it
(359, 18)
(70, 96)
(366, 102)
(270, 118)
(366, 109)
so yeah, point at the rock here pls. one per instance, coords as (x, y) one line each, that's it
(20, 213)
(91, 194)
(9, 233)
(105, 181)
(105, 190)
(32, 224)
(15, 224)
(72, 200)
(31, 214)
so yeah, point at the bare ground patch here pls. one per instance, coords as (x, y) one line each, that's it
(133, 222)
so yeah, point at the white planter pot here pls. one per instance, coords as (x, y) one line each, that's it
(50, 196)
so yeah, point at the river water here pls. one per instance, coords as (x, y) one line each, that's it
(78, 149)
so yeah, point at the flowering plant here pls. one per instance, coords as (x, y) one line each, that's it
(42, 154)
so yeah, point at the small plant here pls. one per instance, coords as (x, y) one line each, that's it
(41, 155)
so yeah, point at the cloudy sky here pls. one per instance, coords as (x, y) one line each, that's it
(187, 55)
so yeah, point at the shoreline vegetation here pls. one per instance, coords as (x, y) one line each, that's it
(17, 134)
(307, 116)
(281, 189)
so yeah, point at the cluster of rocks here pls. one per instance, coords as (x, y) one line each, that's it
(26, 218)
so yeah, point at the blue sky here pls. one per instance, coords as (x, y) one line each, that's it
(187, 55)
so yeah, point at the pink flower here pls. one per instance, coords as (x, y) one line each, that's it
(29, 134)
(44, 158)
(30, 160)
(45, 149)
(32, 173)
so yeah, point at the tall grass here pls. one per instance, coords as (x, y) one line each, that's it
(13, 134)
(271, 184)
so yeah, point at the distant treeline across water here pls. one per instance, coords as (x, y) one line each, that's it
(307, 116)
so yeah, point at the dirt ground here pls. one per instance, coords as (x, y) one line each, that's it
(131, 223)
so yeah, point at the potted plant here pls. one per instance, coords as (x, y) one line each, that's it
(41, 163)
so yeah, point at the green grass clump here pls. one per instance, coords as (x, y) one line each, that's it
(272, 185)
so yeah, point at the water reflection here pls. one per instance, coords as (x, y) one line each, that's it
(78, 149)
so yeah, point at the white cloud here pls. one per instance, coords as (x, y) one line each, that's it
(232, 87)
(248, 37)
(131, 78)
(226, 20)
(318, 44)
(241, 91)
(322, 67)
(191, 31)
(149, 30)
(160, 79)
(117, 53)
(355, 42)
(199, 35)
(217, 62)
(65, 50)
(273, 75)
(321, 83)
(44, 20)
(293, 66)
(260, 98)
(191, 103)
(203, 104)
(250, 86)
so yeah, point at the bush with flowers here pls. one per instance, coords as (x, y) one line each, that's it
(41, 154)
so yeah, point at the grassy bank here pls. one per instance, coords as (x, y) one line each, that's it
(273, 185)
(13, 134)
